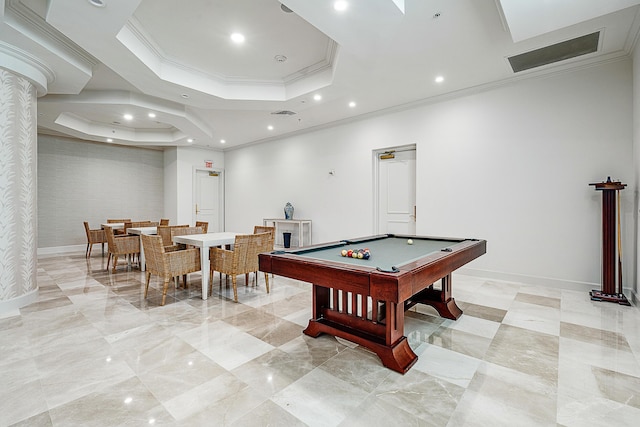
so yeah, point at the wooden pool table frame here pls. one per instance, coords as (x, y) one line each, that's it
(365, 305)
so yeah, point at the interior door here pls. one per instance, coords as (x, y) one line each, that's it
(208, 199)
(397, 192)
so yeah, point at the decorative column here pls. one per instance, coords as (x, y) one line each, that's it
(18, 191)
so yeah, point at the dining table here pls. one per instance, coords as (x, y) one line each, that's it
(140, 231)
(204, 242)
(114, 225)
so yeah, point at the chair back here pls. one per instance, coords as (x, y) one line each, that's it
(153, 250)
(86, 230)
(112, 220)
(265, 229)
(204, 225)
(108, 232)
(164, 221)
(246, 249)
(164, 231)
(185, 231)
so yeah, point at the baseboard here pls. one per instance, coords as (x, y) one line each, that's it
(531, 280)
(544, 281)
(59, 250)
(11, 307)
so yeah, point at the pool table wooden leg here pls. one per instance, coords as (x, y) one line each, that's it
(441, 300)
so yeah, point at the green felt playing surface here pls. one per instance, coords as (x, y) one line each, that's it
(386, 252)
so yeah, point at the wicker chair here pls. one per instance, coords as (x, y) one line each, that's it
(184, 231)
(117, 220)
(168, 264)
(112, 220)
(164, 221)
(93, 237)
(204, 225)
(128, 246)
(243, 259)
(268, 248)
(164, 231)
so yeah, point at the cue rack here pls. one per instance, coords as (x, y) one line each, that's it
(610, 197)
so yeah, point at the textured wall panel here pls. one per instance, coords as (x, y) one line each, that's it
(18, 187)
(87, 181)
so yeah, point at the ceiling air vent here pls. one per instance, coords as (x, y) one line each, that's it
(555, 53)
(283, 113)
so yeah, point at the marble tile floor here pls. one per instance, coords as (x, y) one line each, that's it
(93, 352)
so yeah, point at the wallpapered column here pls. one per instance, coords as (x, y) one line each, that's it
(18, 191)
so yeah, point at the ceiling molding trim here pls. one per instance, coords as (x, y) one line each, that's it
(32, 25)
(534, 75)
(134, 38)
(23, 63)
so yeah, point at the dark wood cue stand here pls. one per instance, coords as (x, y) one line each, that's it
(609, 238)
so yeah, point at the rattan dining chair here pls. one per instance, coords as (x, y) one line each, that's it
(164, 231)
(168, 264)
(269, 247)
(118, 220)
(164, 221)
(184, 231)
(93, 237)
(204, 225)
(129, 246)
(243, 259)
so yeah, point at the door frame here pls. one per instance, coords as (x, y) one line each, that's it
(194, 194)
(376, 180)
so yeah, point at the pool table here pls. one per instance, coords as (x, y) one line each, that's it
(364, 300)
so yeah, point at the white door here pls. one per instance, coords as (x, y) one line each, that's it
(208, 198)
(397, 192)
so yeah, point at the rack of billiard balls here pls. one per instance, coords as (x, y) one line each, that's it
(356, 253)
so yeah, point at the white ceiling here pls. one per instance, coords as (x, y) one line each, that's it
(175, 59)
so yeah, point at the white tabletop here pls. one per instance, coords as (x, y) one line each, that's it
(207, 240)
(116, 225)
(142, 230)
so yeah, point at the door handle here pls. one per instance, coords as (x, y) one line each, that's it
(197, 210)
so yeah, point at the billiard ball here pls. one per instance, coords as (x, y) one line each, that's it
(354, 254)
(409, 242)
(344, 252)
(349, 253)
(366, 255)
(360, 255)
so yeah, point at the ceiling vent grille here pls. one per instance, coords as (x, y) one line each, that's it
(555, 53)
(283, 113)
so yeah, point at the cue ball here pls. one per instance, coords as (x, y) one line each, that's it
(409, 242)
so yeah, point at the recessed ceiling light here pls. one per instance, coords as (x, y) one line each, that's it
(109, 140)
(97, 3)
(340, 5)
(280, 58)
(128, 117)
(270, 127)
(152, 115)
(352, 104)
(237, 38)
(190, 140)
(222, 141)
(439, 79)
(317, 97)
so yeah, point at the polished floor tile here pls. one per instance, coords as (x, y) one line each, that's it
(92, 351)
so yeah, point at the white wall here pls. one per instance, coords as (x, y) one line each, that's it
(633, 283)
(511, 165)
(180, 164)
